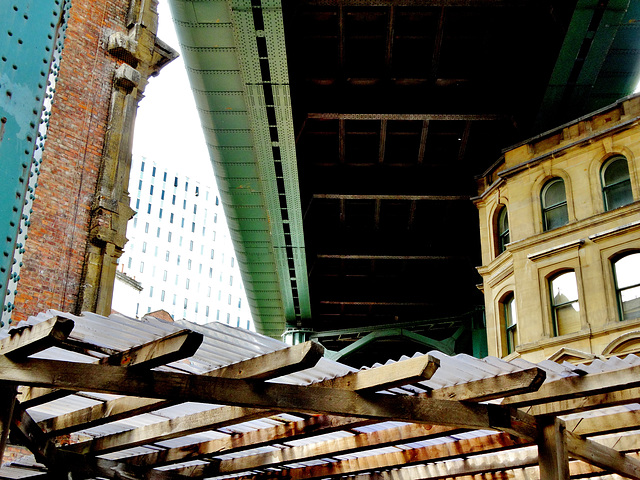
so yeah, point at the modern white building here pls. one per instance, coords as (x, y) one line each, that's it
(179, 249)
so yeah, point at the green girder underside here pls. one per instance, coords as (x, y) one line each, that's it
(219, 43)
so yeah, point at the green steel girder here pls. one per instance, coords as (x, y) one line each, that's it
(31, 39)
(447, 346)
(582, 77)
(231, 63)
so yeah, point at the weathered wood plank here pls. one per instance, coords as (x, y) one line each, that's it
(316, 425)
(170, 348)
(552, 450)
(491, 388)
(30, 339)
(152, 354)
(61, 463)
(515, 465)
(386, 376)
(264, 367)
(100, 414)
(248, 393)
(590, 402)
(603, 424)
(578, 387)
(187, 425)
(524, 380)
(439, 452)
(602, 456)
(274, 364)
(332, 448)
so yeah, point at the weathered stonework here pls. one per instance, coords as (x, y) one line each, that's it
(587, 244)
(82, 207)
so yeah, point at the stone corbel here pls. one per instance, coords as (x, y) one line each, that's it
(127, 77)
(123, 47)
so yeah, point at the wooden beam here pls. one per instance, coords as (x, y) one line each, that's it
(588, 402)
(274, 364)
(170, 348)
(380, 378)
(552, 450)
(61, 463)
(249, 393)
(110, 411)
(484, 465)
(311, 427)
(331, 448)
(514, 464)
(579, 386)
(30, 339)
(622, 443)
(603, 424)
(406, 116)
(387, 376)
(408, 198)
(271, 365)
(601, 456)
(176, 427)
(316, 425)
(491, 388)
(404, 458)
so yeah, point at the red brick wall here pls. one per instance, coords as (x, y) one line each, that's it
(55, 250)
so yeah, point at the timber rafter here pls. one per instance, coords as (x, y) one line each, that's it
(343, 419)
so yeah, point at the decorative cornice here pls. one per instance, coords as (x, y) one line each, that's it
(555, 250)
(615, 231)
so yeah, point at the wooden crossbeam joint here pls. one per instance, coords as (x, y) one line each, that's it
(30, 339)
(251, 393)
(170, 348)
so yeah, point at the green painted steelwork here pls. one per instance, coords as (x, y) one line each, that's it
(596, 65)
(234, 51)
(30, 41)
(446, 346)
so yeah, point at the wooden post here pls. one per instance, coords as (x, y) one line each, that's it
(7, 402)
(552, 449)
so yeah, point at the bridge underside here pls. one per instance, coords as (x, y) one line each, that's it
(346, 134)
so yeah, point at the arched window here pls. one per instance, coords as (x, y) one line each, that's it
(502, 230)
(627, 276)
(564, 303)
(510, 322)
(554, 204)
(616, 186)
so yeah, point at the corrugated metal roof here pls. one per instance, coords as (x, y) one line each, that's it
(223, 345)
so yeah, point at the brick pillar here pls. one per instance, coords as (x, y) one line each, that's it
(82, 204)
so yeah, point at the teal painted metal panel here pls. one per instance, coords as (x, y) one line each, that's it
(31, 39)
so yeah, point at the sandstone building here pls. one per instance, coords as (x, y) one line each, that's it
(560, 229)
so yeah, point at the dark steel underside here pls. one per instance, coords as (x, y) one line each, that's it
(397, 106)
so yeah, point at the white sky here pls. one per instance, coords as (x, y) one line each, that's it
(167, 125)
